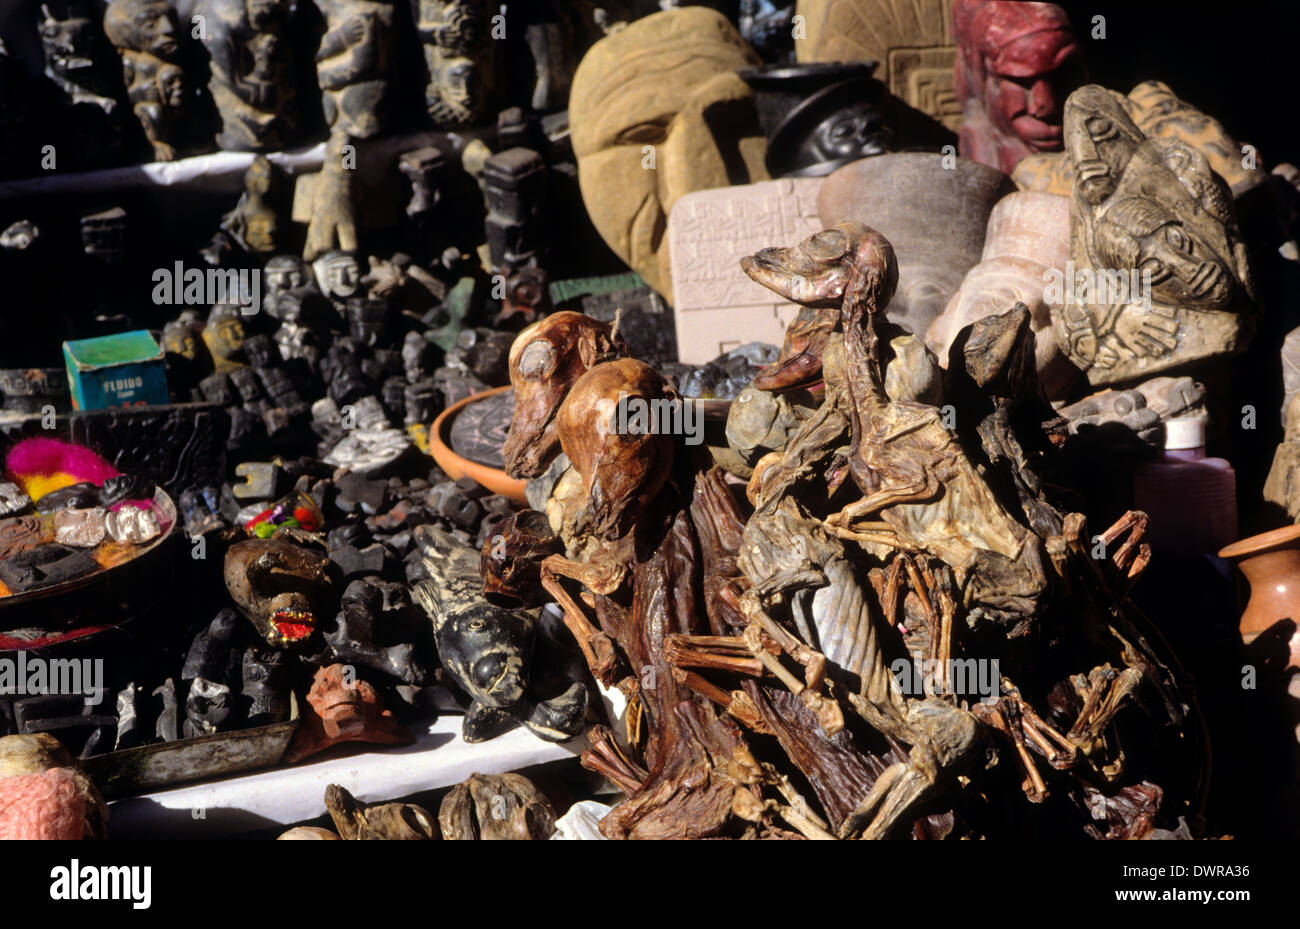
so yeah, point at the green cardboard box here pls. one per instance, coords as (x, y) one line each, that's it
(116, 370)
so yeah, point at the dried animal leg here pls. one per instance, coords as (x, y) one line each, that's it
(605, 759)
(1059, 751)
(597, 648)
(749, 804)
(1003, 717)
(826, 708)
(723, 653)
(945, 737)
(1134, 554)
(737, 703)
(1107, 690)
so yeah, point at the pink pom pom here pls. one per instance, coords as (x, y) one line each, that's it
(50, 456)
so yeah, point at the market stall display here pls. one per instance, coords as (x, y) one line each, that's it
(833, 419)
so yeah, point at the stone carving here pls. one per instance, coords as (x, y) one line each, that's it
(224, 337)
(637, 112)
(489, 650)
(354, 65)
(716, 306)
(1017, 64)
(1150, 215)
(78, 60)
(1159, 114)
(343, 708)
(912, 40)
(1142, 408)
(255, 221)
(935, 217)
(514, 185)
(1027, 241)
(819, 117)
(253, 73)
(283, 273)
(462, 59)
(144, 34)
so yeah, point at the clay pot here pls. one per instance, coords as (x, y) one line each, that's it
(819, 117)
(457, 466)
(932, 208)
(1271, 563)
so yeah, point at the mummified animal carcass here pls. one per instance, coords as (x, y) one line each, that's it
(882, 537)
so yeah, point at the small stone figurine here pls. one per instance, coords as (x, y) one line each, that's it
(354, 63)
(253, 71)
(144, 34)
(75, 60)
(461, 57)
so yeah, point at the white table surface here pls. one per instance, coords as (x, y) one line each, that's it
(291, 794)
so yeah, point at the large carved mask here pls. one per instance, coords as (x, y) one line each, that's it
(283, 589)
(545, 360)
(461, 56)
(658, 109)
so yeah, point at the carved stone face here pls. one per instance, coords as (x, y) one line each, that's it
(545, 360)
(338, 274)
(461, 57)
(1018, 62)
(280, 587)
(144, 26)
(224, 334)
(1144, 234)
(282, 273)
(621, 471)
(171, 86)
(181, 337)
(658, 110)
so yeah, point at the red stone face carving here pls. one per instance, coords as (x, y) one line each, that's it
(343, 709)
(1016, 64)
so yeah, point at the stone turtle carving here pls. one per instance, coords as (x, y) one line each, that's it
(487, 650)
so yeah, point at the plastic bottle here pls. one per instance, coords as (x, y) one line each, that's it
(1191, 499)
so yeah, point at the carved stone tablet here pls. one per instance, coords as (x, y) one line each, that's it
(717, 307)
(912, 40)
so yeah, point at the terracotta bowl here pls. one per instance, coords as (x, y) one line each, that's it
(457, 466)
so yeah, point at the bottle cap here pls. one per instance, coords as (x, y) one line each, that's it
(1185, 432)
